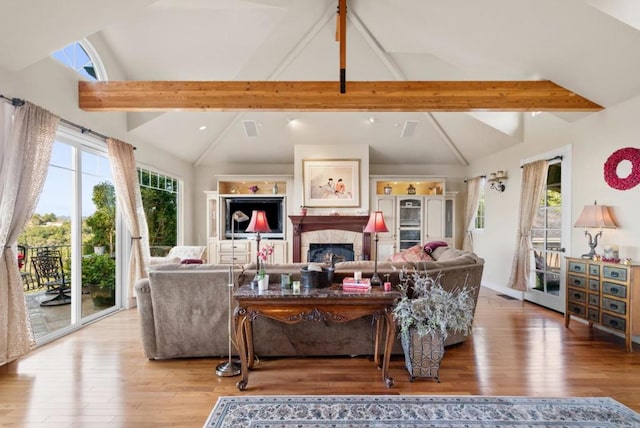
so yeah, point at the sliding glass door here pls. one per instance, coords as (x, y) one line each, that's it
(69, 252)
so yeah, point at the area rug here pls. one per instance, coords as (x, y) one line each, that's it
(307, 411)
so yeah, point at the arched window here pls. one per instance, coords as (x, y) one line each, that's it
(81, 57)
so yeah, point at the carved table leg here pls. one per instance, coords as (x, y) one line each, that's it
(376, 350)
(248, 331)
(241, 340)
(388, 345)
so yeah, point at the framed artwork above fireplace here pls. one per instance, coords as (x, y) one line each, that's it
(331, 183)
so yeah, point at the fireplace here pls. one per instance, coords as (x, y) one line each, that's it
(321, 226)
(319, 252)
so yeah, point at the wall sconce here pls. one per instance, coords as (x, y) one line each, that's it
(497, 180)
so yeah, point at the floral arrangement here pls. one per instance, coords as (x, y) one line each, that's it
(253, 189)
(431, 309)
(263, 255)
(614, 181)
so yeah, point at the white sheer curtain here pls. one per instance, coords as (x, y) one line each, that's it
(125, 174)
(26, 143)
(534, 176)
(473, 197)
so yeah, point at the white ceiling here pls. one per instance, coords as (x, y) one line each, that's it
(588, 46)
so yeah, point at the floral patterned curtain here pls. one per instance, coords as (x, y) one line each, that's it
(27, 133)
(534, 176)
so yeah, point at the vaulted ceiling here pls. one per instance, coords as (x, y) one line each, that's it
(587, 46)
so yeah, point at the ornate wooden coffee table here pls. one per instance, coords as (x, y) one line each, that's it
(325, 304)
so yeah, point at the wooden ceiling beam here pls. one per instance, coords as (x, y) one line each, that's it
(383, 96)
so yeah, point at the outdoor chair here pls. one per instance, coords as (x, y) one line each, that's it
(27, 279)
(50, 274)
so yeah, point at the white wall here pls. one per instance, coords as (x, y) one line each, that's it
(592, 140)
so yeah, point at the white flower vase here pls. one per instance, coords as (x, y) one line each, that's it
(263, 283)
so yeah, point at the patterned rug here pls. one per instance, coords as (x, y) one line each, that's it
(307, 411)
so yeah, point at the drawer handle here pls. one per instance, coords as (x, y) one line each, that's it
(577, 281)
(614, 274)
(576, 310)
(613, 306)
(577, 268)
(613, 323)
(614, 290)
(576, 295)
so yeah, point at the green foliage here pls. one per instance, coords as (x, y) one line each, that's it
(103, 221)
(46, 235)
(431, 309)
(99, 269)
(160, 208)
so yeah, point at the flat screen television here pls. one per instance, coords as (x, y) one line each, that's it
(274, 207)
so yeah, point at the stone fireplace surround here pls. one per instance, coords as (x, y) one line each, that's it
(330, 229)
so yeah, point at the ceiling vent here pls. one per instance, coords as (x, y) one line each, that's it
(409, 128)
(250, 128)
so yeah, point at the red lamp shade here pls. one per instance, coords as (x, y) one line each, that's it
(376, 223)
(258, 222)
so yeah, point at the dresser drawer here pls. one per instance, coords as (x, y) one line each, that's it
(594, 300)
(594, 284)
(614, 322)
(614, 305)
(577, 281)
(577, 296)
(578, 310)
(237, 259)
(594, 270)
(593, 315)
(613, 289)
(228, 245)
(617, 273)
(579, 267)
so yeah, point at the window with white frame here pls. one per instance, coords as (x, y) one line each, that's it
(81, 57)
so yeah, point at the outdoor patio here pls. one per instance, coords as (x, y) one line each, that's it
(47, 319)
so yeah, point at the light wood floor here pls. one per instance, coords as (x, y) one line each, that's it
(98, 376)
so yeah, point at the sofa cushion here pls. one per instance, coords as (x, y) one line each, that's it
(153, 261)
(187, 252)
(430, 246)
(361, 265)
(413, 254)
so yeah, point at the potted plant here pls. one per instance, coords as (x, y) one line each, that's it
(99, 275)
(426, 314)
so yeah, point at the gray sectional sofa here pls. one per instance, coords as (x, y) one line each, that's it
(183, 309)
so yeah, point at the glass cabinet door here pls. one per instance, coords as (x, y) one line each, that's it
(409, 222)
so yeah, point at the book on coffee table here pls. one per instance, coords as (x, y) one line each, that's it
(350, 284)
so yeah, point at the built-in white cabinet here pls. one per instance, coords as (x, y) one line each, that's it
(246, 193)
(387, 240)
(434, 218)
(414, 209)
(450, 229)
(213, 228)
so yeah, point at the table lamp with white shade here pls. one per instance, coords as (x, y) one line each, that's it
(595, 216)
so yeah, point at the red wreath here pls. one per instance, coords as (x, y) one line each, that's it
(631, 154)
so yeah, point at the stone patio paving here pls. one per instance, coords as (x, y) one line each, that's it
(47, 319)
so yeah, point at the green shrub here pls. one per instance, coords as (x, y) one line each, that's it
(99, 269)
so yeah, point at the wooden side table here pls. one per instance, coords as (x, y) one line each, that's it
(327, 304)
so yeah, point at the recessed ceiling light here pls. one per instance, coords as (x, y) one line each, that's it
(203, 127)
(372, 119)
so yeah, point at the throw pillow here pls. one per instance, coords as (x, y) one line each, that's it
(413, 254)
(430, 246)
(192, 262)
